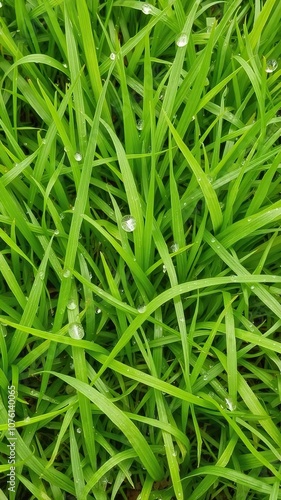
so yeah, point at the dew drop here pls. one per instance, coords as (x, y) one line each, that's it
(78, 156)
(62, 216)
(164, 268)
(182, 41)
(128, 223)
(112, 56)
(78, 430)
(140, 124)
(174, 247)
(1, 5)
(98, 310)
(252, 287)
(142, 308)
(66, 273)
(271, 65)
(27, 419)
(76, 331)
(56, 232)
(174, 454)
(229, 404)
(205, 376)
(213, 240)
(41, 275)
(71, 305)
(146, 9)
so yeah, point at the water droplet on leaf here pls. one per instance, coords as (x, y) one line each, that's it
(182, 41)
(140, 124)
(146, 8)
(71, 305)
(128, 223)
(78, 156)
(271, 65)
(174, 247)
(76, 331)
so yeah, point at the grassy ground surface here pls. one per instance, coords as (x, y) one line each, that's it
(145, 350)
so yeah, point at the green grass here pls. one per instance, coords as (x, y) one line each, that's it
(173, 392)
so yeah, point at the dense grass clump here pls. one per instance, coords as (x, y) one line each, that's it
(140, 244)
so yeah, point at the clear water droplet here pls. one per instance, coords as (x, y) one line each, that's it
(205, 376)
(41, 275)
(229, 404)
(56, 232)
(252, 287)
(182, 41)
(62, 216)
(98, 310)
(27, 419)
(78, 156)
(146, 8)
(71, 305)
(78, 430)
(164, 268)
(140, 124)
(66, 273)
(213, 240)
(128, 223)
(271, 65)
(76, 331)
(174, 247)
(112, 56)
(142, 308)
